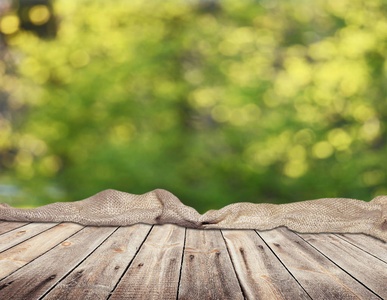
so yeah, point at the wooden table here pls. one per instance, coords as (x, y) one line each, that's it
(71, 261)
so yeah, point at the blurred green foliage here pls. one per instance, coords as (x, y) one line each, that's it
(217, 102)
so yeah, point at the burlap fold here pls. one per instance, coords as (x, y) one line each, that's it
(115, 208)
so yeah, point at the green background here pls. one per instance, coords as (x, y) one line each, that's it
(217, 102)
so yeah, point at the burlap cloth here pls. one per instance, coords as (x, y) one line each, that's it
(115, 208)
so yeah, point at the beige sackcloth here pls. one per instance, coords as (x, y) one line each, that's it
(115, 208)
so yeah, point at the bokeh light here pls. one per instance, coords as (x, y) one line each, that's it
(216, 101)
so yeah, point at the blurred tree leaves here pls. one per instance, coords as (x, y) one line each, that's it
(259, 101)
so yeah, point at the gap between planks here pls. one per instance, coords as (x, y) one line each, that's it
(234, 255)
(366, 269)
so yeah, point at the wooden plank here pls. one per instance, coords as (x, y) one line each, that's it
(261, 274)
(35, 279)
(207, 271)
(321, 278)
(154, 272)
(95, 277)
(8, 226)
(18, 256)
(368, 243)
(369, 270)
(18, 235)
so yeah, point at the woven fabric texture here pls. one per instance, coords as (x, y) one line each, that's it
(115, 208)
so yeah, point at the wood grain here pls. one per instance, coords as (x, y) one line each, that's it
(18, 256)
(154, 272)
(367, 269)
(18, 235)
(207, 271)
(69, 261)
(35, 279)
(8, 226)
(95, 277)
(260, 273)
(321, 278)
(368, 243)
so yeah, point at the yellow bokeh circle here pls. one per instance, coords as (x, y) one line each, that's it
(9, 24)
(39, 14)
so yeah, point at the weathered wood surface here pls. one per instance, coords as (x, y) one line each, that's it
(8, 226)
(71, 261)
(34, 279)
(23, 253)
(367, 269)
(367, 243)
(154, 273)
(18, 235)
(320, 277)
(96, 276)
(207, 271)
(261, 275)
